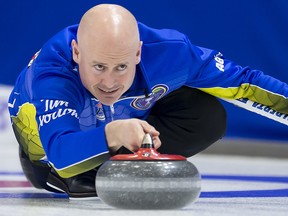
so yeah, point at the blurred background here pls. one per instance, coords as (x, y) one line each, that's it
(250, 32)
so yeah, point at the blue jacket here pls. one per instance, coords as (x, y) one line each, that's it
(58, 121)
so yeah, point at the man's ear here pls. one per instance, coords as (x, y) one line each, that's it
(138, 54)
(75, 51)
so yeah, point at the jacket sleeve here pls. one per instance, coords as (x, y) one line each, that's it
(225, 79)
(58, 102)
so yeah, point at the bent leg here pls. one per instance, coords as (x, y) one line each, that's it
(37, 175)
(189, 121)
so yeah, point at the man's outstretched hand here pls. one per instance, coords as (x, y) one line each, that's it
(129, 133)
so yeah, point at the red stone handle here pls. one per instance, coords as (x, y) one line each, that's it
(147, 152)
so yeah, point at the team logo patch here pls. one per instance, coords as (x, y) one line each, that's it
(99, 113)
(144, 103)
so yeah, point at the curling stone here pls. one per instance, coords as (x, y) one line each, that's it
(148, 180)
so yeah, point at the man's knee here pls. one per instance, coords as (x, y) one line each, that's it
(36, 175)
(189, 121)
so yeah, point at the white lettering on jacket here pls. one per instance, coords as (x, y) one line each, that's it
(62, 110)
(219, 62)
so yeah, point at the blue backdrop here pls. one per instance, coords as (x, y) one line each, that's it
(250, 32)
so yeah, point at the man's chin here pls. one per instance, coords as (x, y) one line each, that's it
(107, 100)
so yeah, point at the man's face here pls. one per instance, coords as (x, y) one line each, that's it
(106, 71)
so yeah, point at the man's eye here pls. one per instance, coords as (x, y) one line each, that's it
(99, 67)
(121, 67)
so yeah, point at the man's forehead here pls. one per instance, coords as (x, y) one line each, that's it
(107, 63)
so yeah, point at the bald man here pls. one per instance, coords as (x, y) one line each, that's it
(95, 89)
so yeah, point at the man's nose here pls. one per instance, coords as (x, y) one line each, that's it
(108, 79)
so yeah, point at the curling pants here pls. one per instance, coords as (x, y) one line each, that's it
(188, 120)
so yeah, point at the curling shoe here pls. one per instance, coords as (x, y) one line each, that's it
(78, 187)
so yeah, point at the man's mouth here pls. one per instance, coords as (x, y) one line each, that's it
(108, 92)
